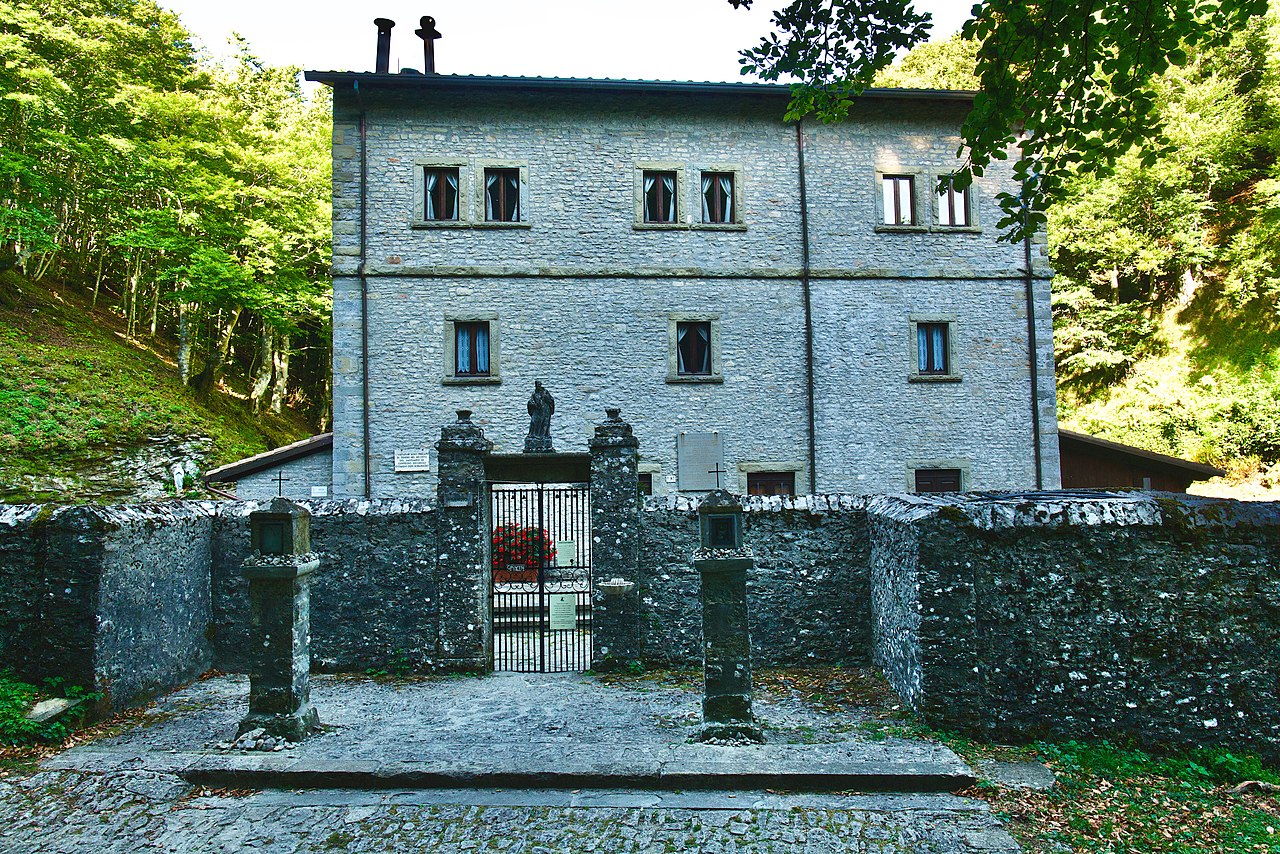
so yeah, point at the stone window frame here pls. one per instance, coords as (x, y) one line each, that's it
(916, 175)
(739, 222)
(913, 354)
(451, 320)
(659, 482)
(681, 189)
(673, 361)
(799, 468)
(420, 166)
(964, 465)
(935, 208)
(479, 166)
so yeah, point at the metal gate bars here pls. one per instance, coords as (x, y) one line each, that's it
(541, 570)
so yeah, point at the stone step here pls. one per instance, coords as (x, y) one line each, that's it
(853, 767)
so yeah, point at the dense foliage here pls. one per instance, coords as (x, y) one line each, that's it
(1166, 296)
(191, 197)
(1067, 86)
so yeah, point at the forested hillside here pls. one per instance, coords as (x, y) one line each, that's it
(187, 198)
(1167, 287)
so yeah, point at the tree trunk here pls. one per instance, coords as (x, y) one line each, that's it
(263, 380)
(97, 282)
(282, 374)
(184, 344)
(212, 371)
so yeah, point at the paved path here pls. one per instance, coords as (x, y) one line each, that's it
(134, 792)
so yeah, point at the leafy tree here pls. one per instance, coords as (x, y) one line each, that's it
(1066, 85)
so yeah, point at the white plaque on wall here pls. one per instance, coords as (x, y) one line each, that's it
(319, 492)
(419, 460)
(563, 608)
(566, 552)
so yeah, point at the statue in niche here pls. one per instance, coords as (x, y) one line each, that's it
(541, 407)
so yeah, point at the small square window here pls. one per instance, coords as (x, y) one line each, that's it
(899, 200)
(659, 196)
(502, 195)
(693, 348)
(771, 483)
(646, 483)
(471, 348)
(717, 197)
(440, 193)
(937, 480)
(953, 207)
(933, 349)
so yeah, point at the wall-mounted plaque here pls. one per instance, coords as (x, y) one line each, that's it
(408, 461)
(566, 553)
(319, 492)
(563, 611)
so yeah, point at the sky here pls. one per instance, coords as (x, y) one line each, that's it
(634, 39)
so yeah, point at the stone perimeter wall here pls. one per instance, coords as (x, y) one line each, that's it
(1152, 617)
(808, 596)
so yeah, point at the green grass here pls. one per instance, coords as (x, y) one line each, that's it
(74, 393)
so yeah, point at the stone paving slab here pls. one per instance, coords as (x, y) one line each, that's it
(130, 811)
(515, 730)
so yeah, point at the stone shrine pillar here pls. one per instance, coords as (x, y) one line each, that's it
(279, 572)
(464, 642)
(615, 544)
(722, 562)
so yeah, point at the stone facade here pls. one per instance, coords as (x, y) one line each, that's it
(582, 297)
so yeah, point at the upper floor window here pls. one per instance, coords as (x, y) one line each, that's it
(953, 207)
(440, 200)
(899, 199)
(932, 348)
(471, 348)
(717, 197)
(693, 348)
(502, 195)
(659, 196)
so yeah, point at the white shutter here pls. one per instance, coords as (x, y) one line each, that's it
(698, 455)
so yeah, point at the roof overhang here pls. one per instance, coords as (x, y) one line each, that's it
(1084, 443)
(471, 83)
(321, 444)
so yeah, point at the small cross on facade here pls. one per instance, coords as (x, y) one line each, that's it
(717, 471)
(280, 479)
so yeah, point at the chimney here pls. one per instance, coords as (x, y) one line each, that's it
(428, 33)
(384, 26)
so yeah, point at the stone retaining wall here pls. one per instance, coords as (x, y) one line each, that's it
(809, 594)
(1137, 616)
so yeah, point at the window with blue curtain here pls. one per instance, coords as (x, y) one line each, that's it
(502, 195)
(899, 200)
(471, 354)
(440, 185)
(693, 348)
(659, 196)
(932, 348)
(717, 197)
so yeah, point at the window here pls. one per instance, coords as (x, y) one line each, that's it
(646, 483)
(899, 199)
(937, 480)
(659, 196)
(471, 348)
(693, 348)
(953, 207)
(933, 349)
(717, 197)
(502, 195)
(440, 193)
(771, 483)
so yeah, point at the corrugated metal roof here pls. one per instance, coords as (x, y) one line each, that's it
(468, 81)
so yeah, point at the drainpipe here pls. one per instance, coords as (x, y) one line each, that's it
(364, 288)
(808, 311)
(1031, 347)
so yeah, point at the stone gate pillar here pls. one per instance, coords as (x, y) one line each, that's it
(464, 640)
(615, 544)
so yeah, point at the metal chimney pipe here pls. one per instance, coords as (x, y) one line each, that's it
(428, 33)
(384, 26)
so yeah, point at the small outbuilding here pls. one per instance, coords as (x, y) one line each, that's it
(1092, 463)
(299, 470)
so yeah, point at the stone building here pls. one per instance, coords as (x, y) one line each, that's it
(776, 307)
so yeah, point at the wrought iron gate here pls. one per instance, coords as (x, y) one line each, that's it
(541, 588)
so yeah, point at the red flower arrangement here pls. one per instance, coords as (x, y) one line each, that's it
(520, 546)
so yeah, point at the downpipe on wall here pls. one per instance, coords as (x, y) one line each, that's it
(808, 311)
(1032, 354)
(364, 290)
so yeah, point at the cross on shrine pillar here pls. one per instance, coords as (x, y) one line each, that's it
(280, 481)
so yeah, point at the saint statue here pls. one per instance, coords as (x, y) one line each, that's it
(541, 407)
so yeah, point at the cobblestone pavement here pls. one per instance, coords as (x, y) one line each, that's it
(130, 811)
